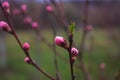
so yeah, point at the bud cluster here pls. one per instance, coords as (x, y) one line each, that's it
(60, 41)
(27, 19)
(23, 9)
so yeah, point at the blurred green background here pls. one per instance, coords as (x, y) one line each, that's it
(104, 51)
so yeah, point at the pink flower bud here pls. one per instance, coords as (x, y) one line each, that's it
(74, 51)
(16, 11)
(35, 25)
(26, 46)
(27, 60)
(89, 27)
(60, 41)
(6, 7)
(4, 26)
(49, 8)
(102, 66)
(28, 20)
(24, 7)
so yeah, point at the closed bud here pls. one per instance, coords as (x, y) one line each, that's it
(16, 11)
(74, 51)
(27, 60)
(89, 28)
(24, 8)
(102, 66)
(26, 46)
(6, 7)
(5, 27)
(60, 41)
(49, 8)
(35, 25)
(28, 20)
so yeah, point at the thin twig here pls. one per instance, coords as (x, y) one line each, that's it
(70, 57)
(85, 22)
(117, 76)
(55, 53)
(55, 56)
(85, 71)
(60, 17)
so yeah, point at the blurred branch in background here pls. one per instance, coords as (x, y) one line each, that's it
(84, 69)
(117, 75)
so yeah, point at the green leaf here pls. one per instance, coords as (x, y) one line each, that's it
(72, 27)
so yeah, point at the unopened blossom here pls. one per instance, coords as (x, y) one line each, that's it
(6, 7)
(16, 11)
(27, 60)
(89, 27)
(102, 66)
(4, 26)
(74, 51)
(24, 7)
(35, 25)
(60, 41)
(26, 46)
(49, 8)
(28, 20)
